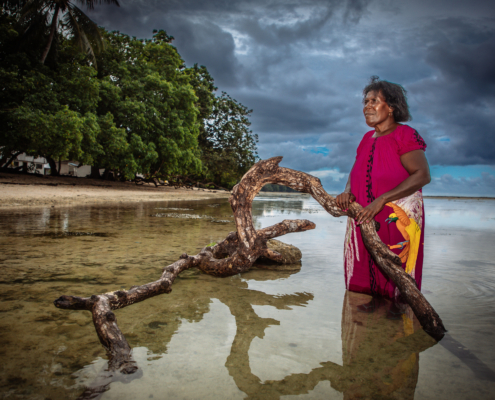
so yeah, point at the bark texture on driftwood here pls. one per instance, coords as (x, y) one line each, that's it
(237, 253)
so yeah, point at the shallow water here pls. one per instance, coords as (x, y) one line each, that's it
(262, 335)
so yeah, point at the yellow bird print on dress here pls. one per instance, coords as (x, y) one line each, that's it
(411, 233)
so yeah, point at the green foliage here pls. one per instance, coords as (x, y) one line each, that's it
(142, 112)
(148, 92)
(57, 135)
(203, 85)
(47, 111)
(273, 187)
(41, 21)
(227, 144)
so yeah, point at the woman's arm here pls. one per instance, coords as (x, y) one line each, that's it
(348, 184)
(344, 199)
(416, 165)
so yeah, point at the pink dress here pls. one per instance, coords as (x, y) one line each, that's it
(378, 170)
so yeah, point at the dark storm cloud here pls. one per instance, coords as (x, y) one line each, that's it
(198, 40)
(301, 66)
(203, 29)
(209, 45)
(460, 97)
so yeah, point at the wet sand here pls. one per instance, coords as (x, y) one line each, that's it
(40, 191)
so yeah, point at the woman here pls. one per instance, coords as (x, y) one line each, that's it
(386, 179)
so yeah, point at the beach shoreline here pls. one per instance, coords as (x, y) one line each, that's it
(22, 190)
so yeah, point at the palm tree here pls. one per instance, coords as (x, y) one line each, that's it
(73, 22)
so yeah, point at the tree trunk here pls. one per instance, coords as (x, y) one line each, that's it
(53, 166)
(237, 253)
(53, 28)
(14, 156)
(108, 174)
(95, 172)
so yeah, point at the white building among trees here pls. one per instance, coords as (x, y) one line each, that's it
(40, 165)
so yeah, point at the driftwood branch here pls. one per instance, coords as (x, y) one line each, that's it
(237, 253)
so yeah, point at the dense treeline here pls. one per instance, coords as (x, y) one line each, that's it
(273, 187)
(114, 102)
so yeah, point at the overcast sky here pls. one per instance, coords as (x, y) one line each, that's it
(301, 66)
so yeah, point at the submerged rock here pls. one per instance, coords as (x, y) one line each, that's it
(291, 256)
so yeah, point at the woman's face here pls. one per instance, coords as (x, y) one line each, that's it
(375, 109)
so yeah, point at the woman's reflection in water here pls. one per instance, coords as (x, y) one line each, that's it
(378, 360)
(380, 355)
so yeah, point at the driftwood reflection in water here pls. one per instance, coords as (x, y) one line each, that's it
(233, 292)
(380, 356)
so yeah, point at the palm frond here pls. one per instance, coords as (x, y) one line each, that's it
(84, 32)
(72, 28)
(14, 5)
(91, 3)
(35, 26)
(30, 9)
(90, 29)
(33, 17)
(33, 30)
(89, 49)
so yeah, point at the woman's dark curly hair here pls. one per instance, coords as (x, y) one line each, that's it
(395, 96)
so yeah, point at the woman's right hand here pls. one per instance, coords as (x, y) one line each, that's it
(344, 200)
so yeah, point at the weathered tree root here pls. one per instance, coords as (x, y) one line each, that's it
(237, 253)
(102, 306)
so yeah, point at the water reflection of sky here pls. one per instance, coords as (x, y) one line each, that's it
(465, 214)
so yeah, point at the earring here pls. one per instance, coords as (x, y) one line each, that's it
(390, 114)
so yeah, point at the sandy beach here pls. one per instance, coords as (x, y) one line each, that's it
(19, 190)
(40, 191)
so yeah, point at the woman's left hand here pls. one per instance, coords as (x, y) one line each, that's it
(369, 212)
